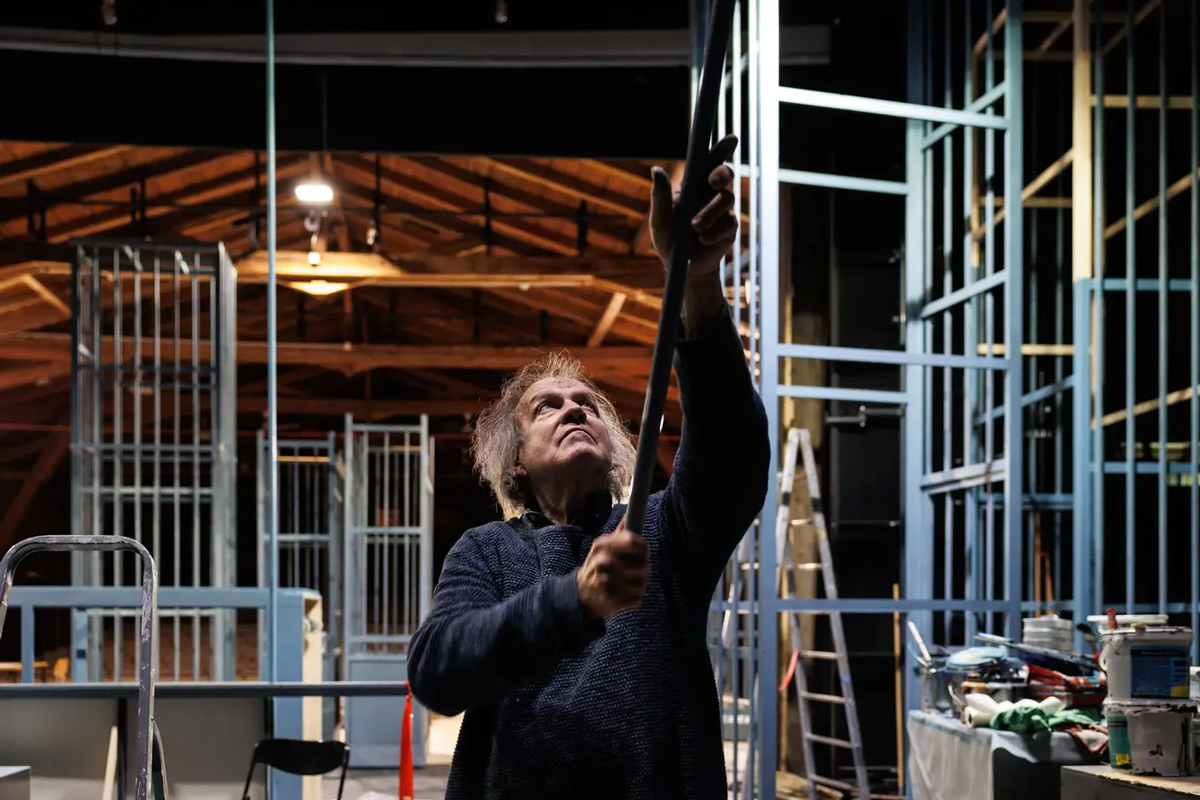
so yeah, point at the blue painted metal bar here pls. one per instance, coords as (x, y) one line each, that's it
(862, 355)
(917, 577)
(847, 182)
(768, 592)
(889, 108)
(169, 597)
(1036, 396)
(1148, 285)
(963, 477)
(995, 280)
(1163, 338)
(204, 690)
(1082, 574)
(27, 644)
(970, 451)
(1194, 426)
(272, 487)
(1147, 468)
(1044, 501)
(949, 541)
(985, 100)
(1014, 314)
(1130, 313)
(989, 311)
(839, 393)
(886, 605)
(1100, 305)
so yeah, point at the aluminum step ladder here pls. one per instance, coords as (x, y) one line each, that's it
(150, 761)
(799, 445)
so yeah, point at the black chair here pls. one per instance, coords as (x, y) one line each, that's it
(300, 757)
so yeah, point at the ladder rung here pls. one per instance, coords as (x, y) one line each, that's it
(820, 655)
(824, 698)
(830, 782)
(831, 741)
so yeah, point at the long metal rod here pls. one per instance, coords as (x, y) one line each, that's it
(272, 504)
(889, 108)
(1130, 320)
(1195, 330)
(1163, 338)
(693, 194)
(1099, 309)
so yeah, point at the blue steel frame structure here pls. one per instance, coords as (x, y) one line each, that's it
(978, 291)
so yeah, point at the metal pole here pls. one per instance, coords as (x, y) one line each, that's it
(1163, 339)
(272, 504)
(1195, 337)
(1130, 321)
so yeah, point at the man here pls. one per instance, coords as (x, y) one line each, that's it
(577, 648)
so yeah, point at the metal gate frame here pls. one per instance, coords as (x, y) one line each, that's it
(314, 488)
(377, 626)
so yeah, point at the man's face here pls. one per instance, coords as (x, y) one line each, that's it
(561, 431)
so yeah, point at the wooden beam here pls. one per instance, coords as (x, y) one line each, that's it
(43, 468)
(12, 378)
(601, 232)
(362, 409)
(50, 297)
(568, 185)
(205, 191)
(436, 198)
(450, 272)
(12, 208)
(55, 347)
(604, 325)
(56, 160)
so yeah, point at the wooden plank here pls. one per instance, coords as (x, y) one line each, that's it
(43, 468)
(611, 312)
(601, 231)
(212, 189)
(363, 409)
(48, 296)
(73, 155)
(450, 272)
(12, 378)
(55, 347)
(438, 199)
(15, 207)
(530, 170)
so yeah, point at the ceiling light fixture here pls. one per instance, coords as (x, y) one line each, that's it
(318, 287)
(314, 191)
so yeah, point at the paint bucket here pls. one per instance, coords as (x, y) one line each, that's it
(1161, 738)
(1118, 734)
(1146, 663)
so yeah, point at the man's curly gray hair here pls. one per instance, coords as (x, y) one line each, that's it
(496, 441)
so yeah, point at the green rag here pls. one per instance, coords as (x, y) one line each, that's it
(1035, 720)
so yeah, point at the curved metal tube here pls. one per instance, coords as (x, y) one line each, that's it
(149, 630)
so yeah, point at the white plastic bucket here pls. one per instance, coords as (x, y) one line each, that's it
(1146, 663)
(1161, 738)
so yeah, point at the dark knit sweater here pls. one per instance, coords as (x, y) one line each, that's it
(560, 706)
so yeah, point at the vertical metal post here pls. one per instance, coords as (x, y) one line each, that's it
(1100, 315)
(947, 324)
(1194, 426)
(1081, 271)
(1130, 314)
(768, 594)
(1163, 338)
(974, 554)
(272, 504)
(918, 544)
(1014, 316)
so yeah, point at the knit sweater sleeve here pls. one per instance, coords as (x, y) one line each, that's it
(474, 647)
(723, 461)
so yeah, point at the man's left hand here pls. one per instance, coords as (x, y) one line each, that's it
(715, 225)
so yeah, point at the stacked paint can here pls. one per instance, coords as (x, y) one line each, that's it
(1149, 709)
(1050, 632)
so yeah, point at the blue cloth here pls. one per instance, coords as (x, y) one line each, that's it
(561, 706)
